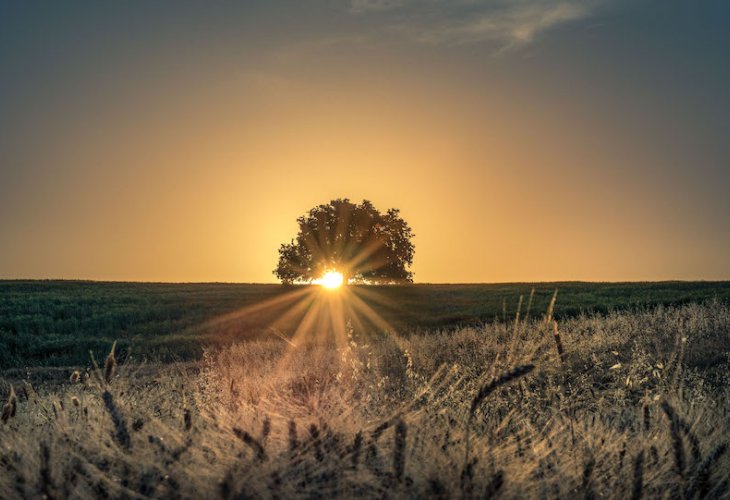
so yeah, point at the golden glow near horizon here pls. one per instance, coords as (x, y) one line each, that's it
(330, 280)
(313, 317)
(187, 155)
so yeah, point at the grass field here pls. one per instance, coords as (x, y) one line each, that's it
(57, 323)
(629, 404)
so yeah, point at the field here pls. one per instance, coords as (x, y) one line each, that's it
(624, 404)
(57, 323)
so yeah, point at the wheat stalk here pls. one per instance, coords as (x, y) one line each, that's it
(485, 391)
(121, 434)
(558, 342)
(551, 308)
(587, 478)
(700, 479)
(529, 305)
(638, 483)
(187, 419)
(46, 481)
(110, 364)
(356, 449)
(680, 461)
(316, 442)
(11, 406)
(495, 485)
(489, 388)
(251, 442)
(293, 442)
(266, 428)
(399, 449)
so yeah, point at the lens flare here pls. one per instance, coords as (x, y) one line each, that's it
(331, 279)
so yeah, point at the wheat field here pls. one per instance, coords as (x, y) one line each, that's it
(620, 405)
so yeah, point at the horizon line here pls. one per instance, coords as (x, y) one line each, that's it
(423, 283)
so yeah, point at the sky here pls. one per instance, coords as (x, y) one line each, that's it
(523, 140)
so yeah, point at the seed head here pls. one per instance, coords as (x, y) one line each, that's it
(109, 365)
(10, 407)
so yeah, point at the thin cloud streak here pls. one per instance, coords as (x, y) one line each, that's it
(507, 24)
(376, 5)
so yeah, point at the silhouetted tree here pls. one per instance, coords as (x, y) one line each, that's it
(358, 241)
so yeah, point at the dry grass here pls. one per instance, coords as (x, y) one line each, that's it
(629, 405)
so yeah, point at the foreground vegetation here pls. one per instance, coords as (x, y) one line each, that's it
(623, 405)
(56, 323)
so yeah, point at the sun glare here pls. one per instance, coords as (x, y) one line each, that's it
(331, 279)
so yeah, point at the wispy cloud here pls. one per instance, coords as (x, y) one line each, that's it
(506, 23)
(377, 5)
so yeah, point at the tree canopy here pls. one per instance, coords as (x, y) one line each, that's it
(357, 240)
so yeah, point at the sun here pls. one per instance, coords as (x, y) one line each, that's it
(331, 279)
